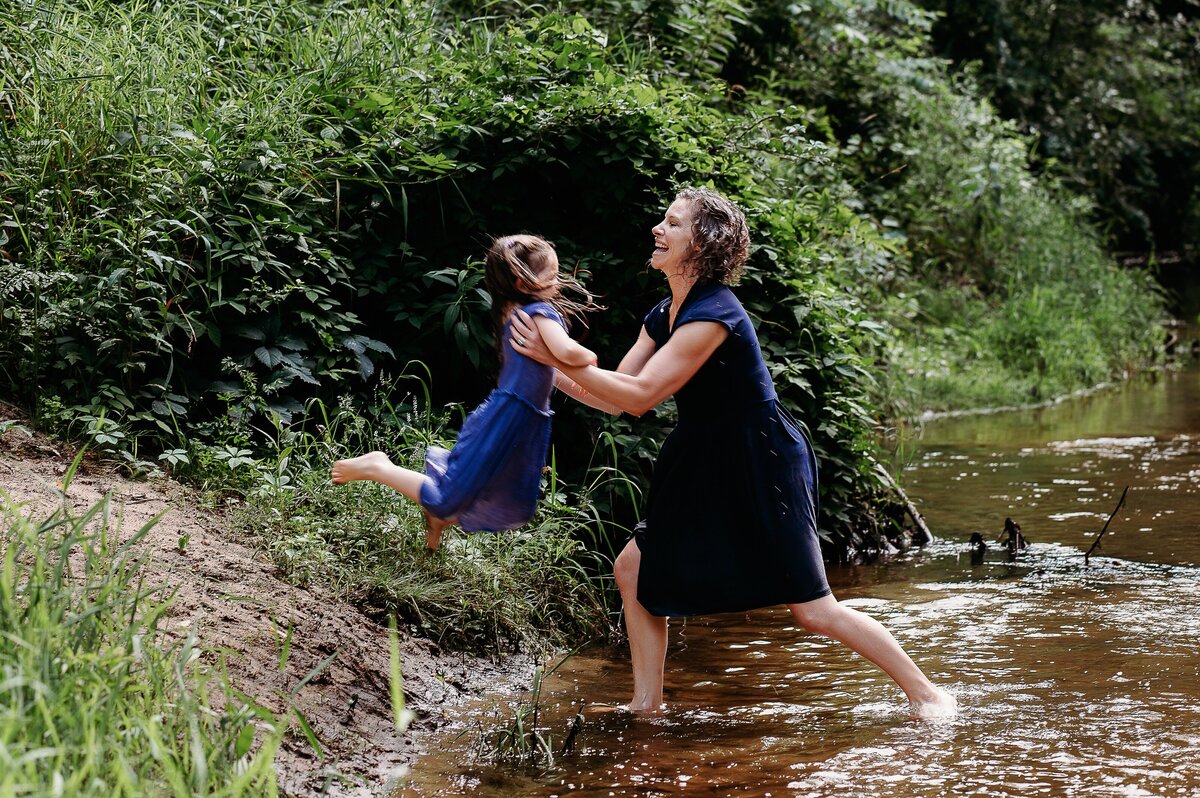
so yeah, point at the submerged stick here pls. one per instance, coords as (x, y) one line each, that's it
(1096, 542)
(907, 502)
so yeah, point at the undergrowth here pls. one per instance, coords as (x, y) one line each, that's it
(542, 587)
(96, 698)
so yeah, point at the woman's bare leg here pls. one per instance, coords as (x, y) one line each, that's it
(376, 467)
(868, 637)
(647, 635)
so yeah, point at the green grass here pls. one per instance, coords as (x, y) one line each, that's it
(95, 699)
(539, 588)
(1034, 341)
(521, 739)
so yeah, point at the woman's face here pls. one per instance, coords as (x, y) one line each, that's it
(673, 238)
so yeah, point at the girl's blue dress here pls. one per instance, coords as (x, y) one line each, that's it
(489, 481)
(731, 515)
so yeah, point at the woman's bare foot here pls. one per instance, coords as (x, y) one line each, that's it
(356, 468)
(620, 709)
(941, 705)
(433, 530)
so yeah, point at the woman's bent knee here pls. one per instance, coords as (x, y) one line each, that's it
(625, 569)
(817, 616)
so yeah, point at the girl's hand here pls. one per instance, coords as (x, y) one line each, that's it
(528, 341)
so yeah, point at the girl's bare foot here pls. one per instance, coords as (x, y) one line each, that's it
(941, 705)
(356, 468)
(433, 530)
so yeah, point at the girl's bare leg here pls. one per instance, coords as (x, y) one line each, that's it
(434, 528)
(647, 635)
(866, 636)
(376, 467)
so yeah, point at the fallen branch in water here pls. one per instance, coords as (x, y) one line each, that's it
(1096, 542)
(1016, 541)
(908, 505)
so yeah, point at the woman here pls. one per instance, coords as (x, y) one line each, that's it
(731, 512)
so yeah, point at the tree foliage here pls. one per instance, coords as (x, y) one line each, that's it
(1111, 91)
(214, 212)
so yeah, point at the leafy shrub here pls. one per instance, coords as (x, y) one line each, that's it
(216, 214)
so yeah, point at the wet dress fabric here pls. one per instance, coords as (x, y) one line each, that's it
(731, 512)
(489, 481)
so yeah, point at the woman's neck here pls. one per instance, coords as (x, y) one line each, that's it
(680, 282)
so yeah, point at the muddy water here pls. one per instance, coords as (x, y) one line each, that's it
(1074, 680)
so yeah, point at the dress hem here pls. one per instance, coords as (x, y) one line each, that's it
(706, 611)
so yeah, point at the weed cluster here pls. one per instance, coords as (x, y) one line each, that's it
(97, 699)
(521, 740)
(540, 587)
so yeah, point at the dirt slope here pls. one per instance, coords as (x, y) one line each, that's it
(235, 600)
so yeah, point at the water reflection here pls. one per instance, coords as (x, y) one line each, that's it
(1058, 471)
(1075, 681)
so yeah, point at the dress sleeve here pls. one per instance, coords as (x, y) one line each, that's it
(656, 322)
(544, 309)
(720, 306)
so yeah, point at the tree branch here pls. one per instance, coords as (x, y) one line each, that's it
(1096, 542)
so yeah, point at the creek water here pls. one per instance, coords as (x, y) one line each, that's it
(1073, 679)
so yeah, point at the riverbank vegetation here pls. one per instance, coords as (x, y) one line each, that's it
(98, 697)
(219, 217)
(539, 589)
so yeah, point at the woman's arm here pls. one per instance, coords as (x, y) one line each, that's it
(665, 373)
(638, 355)
(662, 374)
(580, 394)
(565, 349)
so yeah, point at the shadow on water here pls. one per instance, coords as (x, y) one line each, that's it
(1074, 680)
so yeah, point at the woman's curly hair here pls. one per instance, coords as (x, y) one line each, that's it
(720, 237)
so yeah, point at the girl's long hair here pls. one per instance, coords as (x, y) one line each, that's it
(513, 274)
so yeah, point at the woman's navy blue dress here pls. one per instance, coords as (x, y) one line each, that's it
(731, 513)
(489, 481)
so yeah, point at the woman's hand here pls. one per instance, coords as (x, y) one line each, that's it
(528, 341)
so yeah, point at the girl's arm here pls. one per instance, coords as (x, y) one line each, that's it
(661, 375)
(564, 349)
(577, 392)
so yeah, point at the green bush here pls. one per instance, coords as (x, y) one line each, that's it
(214, 214)
(240, 204)
(1031, 290)
(1110, 90)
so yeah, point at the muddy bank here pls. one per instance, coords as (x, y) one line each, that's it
(233, 598)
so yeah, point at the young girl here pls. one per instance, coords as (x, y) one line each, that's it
(489, 480)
